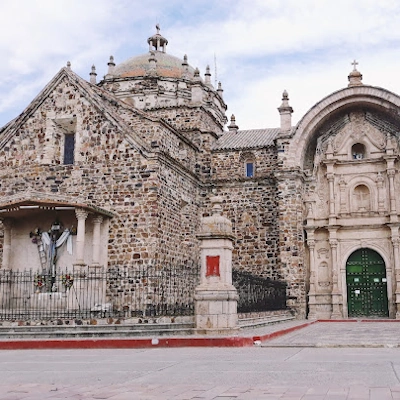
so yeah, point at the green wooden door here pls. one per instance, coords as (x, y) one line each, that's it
(366, 284)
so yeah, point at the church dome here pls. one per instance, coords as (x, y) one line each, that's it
(166, 66)
(156, 62)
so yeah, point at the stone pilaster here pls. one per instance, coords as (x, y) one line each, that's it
(391, 172)
(216, 297)
(331, 181)
(312, 301)
(396, 259)
(336, 286)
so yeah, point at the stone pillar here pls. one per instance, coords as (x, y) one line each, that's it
(391, 171)
(7, 224)
(343, 198)
(381, 193)
(81, 215)
(312, 300)
(330, 178)
(396, 259)
(336, 285)
(216, 298)
(391, 174)
(97, 220)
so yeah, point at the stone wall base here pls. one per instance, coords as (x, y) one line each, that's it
(216, 311)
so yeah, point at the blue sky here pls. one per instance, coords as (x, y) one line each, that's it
(261, 46)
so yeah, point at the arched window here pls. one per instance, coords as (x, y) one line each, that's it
(358, 151)
(249, 164)
(249, 168)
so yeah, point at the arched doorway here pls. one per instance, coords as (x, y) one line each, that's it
(366, 284)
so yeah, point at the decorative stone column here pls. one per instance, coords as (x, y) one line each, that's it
(391, 172)
(312, 301)
(336, 286)
(97, 220)
(216, 298)
(7, 224)
(381, 193)
(343, 198)
(81, 216)
(331, 181)
(396, 257)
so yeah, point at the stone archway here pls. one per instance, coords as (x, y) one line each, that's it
(366, 285)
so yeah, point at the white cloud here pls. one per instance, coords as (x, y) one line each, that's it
(262, 46)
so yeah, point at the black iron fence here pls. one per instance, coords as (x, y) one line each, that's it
(257, 293)
(143, 291)
(123, 292)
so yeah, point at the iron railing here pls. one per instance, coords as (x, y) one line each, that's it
(143, 291)
(257, 293)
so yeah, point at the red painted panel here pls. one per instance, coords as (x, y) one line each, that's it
(212, 263)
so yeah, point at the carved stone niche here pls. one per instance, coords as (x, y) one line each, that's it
(324, 275)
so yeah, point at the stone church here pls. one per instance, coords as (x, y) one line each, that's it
(127, 166)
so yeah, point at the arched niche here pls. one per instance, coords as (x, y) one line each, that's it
(327, 117)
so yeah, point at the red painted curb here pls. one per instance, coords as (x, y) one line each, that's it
(359, 320)
(282, 332)
(125, 343)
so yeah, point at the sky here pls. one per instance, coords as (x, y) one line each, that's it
(258, 48)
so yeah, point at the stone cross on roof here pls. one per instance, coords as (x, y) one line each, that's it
(354, 64)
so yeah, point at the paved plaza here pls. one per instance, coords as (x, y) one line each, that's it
(342, 334)
(282, 372)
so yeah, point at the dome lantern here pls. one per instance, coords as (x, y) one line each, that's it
(157, 42)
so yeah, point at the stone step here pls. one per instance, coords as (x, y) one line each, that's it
(92, 331)
(62, 334)
(94, 328)
(105, 330)
(259, 322)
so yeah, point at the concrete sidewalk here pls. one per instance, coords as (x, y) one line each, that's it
(201, 373)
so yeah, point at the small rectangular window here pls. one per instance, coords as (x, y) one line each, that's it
(249, 169)
(69, 149)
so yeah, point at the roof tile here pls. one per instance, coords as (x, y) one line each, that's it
(246, 139)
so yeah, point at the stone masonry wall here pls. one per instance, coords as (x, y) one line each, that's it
(178, 218)
(154, 199)
(251, 205)
(291, 240)
(112, 175)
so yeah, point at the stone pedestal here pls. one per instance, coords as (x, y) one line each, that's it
(216, 297)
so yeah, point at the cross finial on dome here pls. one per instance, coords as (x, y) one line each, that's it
(355, 76)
